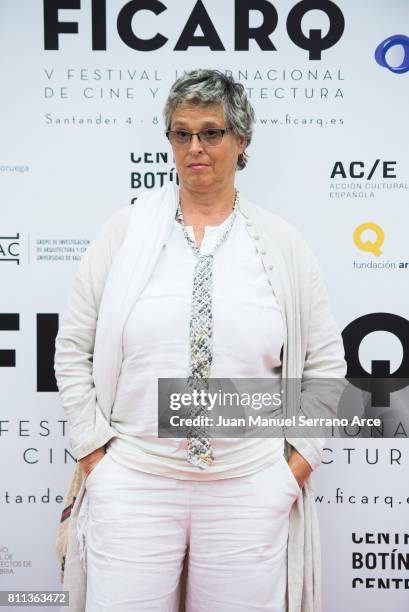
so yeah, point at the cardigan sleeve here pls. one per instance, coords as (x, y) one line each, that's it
(324, 369)
(73, 363)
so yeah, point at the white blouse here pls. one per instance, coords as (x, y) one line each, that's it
(248, 336)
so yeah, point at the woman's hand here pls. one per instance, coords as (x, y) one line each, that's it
(300, 467)
(89, 461)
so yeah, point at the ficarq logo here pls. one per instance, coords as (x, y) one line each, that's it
(380, 382)
(127, 21)
(393, 41)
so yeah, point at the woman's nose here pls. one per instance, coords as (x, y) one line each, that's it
(195, 144)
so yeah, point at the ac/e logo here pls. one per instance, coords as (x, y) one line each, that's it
(356, 169)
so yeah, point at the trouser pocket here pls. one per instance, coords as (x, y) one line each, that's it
(292, 479)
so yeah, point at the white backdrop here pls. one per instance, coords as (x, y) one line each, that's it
(75, 121)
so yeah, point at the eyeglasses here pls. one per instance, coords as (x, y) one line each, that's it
(211, 136)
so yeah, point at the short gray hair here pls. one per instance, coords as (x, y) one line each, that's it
(206, 86)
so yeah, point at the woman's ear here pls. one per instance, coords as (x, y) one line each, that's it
(241, 145)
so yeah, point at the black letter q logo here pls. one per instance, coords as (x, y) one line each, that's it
(380, 382)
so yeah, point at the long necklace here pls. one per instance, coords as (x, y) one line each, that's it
(199, 448)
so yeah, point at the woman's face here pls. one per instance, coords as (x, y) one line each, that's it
(220, 161)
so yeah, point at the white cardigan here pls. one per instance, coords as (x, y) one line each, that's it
(111, 275)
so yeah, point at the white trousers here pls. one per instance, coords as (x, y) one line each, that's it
(134, 529)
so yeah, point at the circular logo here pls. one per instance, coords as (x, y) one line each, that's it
(392, 41)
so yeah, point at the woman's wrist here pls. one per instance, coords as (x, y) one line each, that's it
(299, 466)
(88, 462)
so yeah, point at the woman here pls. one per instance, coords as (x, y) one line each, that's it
(193, 281)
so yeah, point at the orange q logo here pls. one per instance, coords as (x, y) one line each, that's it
(370, 246)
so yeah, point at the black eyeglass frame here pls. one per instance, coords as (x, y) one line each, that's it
(222, 130)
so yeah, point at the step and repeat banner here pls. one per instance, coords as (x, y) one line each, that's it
(81, 135)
